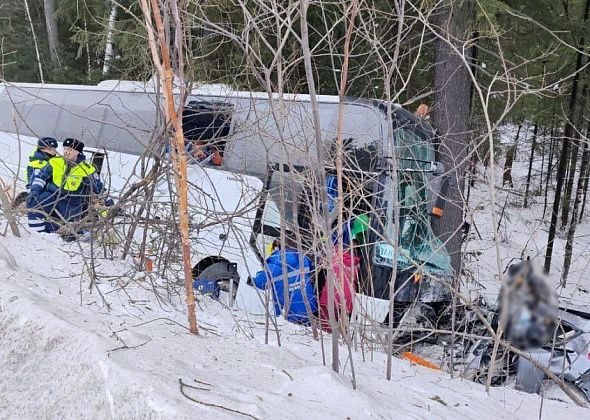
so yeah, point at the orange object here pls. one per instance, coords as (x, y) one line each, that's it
(417, 277)
(149, 265)
(217, 159)
(422, 110)
(437, 211)
(418, 360)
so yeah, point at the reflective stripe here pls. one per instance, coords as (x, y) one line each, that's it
(74, 178)
(40, 182)
(37, 225)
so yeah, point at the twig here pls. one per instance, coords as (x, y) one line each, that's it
(287, 373)
(231, 410)
(176, 323)
(194, 387)
(125, 346)
(202, 382)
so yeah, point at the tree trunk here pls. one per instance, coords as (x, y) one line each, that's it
(586, 178)
(108, 51)
(569, 129)
(30, 20)
(162, 61)
(562, 163)
(569, 245)
(473, 171)
(510, 154)
(543, 149)
(51, 24)
(573, 160)
(307, 56)
(528, 176)
(452, 86)
(549, 169)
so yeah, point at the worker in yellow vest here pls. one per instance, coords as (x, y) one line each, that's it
(45, 150)
(61, 191)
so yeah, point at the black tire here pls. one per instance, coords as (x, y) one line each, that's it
(222, 273)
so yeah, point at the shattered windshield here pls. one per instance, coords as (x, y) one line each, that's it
(418, 246)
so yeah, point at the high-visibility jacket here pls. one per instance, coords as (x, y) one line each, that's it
(64, 187)
(37, 161)
(69, 180)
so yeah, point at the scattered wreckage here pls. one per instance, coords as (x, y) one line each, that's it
(547, 338)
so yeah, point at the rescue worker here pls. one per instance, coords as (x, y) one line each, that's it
(346, 269)
(62, 189)
(301, 297)
(46, 149)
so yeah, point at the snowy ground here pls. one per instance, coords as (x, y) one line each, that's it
(522, 231)
(64, 353)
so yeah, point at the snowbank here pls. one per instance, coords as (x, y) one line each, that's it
(64, 354)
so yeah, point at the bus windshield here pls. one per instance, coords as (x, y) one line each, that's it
(418, 246)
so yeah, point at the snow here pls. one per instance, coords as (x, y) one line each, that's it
(523, 232)
(63, 354)
(119, 348)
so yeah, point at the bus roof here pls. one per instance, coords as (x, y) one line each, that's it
(216, 90)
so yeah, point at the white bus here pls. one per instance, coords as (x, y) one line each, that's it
(256, 132)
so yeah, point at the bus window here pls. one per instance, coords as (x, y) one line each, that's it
(208, 124)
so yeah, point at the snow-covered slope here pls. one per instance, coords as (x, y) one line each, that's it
(64, 354)
(522, 232)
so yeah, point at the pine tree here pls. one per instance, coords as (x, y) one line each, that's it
(452, 86)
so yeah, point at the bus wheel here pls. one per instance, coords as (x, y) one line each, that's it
(223, 273)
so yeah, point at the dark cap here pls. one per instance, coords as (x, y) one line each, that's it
(48, 142)
(74, 144)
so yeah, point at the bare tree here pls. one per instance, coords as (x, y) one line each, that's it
(565, 147)
(28, 11)
(162, 61)
(530, 169)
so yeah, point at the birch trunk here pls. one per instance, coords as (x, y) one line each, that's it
(108, 51)
(41, 78)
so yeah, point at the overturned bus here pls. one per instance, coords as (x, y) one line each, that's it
(272, 137)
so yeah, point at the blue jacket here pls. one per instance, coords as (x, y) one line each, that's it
(274, 274)
(32, 170)
(49, 197)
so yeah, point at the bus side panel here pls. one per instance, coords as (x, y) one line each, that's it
(119, 121)
(132, 122)
(31, 111)
(283, 135)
